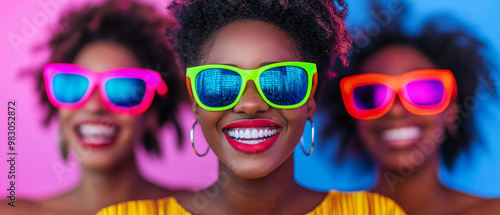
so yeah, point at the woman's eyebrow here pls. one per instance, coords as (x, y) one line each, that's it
(261, 65)
(266, 63)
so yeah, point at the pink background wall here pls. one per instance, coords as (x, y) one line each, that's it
(40, 171)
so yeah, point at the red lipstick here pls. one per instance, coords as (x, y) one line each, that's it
(96, 134)
(252, 136)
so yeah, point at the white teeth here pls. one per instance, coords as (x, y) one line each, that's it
(242, 134)
(255, 133)
(405, 133)
(235, 134)
(249, 135)
(96, 133)
(95, 130)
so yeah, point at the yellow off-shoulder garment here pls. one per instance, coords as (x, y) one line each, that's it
(335, 203)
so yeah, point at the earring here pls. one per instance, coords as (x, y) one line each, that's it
(192, 141)
(312, 140)
(63, 147)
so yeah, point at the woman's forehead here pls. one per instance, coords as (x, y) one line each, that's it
(248, 44)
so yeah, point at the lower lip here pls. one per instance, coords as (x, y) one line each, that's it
(252, 148)
(401, 143)
(96, 146)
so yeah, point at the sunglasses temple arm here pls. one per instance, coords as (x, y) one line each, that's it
(161, 88)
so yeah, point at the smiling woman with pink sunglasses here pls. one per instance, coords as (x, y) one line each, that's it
(107, 100)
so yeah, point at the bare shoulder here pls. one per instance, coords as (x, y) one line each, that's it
(23, 207)
(485, 206)
(66, 203)
(153, 191)
(186, 199)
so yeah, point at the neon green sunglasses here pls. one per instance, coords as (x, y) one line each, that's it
(283, 85)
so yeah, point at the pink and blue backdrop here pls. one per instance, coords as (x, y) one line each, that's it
(40, 171)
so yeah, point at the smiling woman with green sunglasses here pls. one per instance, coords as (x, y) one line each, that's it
(252, 72)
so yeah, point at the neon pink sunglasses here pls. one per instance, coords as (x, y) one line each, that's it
(128, 91)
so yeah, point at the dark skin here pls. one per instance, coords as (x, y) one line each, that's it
(109, 175)
(97, 190)
(261, 183)
(428, 195)
(487, 206)
(408, 166)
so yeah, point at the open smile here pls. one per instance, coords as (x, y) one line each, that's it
(252, 136)
(401, 137)
(96, 134)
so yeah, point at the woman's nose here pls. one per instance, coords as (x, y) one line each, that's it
(397, 109)
(95, 103)
(251, 102)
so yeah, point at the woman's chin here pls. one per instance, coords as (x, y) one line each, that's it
(250, 171)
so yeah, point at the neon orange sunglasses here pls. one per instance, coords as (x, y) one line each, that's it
(422, 92)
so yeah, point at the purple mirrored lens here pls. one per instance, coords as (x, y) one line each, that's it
(370, 96)
(425, 92)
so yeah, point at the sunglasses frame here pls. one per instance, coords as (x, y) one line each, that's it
(152, 79)
(253, 75)
(397, 85)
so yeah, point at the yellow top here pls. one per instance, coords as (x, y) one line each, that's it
(334, 203)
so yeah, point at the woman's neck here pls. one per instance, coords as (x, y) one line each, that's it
(99, 188)
(275, 193)
(104, 187)
(415, 191)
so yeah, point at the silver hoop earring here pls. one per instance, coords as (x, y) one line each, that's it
(192, 141)
(312, 140)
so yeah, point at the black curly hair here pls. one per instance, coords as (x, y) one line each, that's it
(453, 49)
(316, 26)
(136, 26)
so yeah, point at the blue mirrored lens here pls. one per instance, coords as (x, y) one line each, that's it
(218, 87)
(370, 96)
(425, 92)
(125, 92)
(70, 88)
(286, 85)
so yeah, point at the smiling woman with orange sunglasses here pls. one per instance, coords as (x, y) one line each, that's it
(401, 104)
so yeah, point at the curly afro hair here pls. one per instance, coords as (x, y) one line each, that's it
(453, 49)
(316, 26)
(136, 26)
